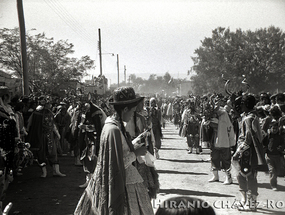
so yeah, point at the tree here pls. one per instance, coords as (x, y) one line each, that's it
(49, 62)
(259, 55)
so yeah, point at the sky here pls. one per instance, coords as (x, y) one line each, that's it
(148, 36)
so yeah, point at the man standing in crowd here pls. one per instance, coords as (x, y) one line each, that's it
(250, 154)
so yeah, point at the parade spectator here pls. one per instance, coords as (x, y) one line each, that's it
(116, 186)
(250, 154)
(62, 121)
(74, 131)
(176, 115)
(184, 205)
(155, 117)
(42, 132)
(135, 127)
(274, 146)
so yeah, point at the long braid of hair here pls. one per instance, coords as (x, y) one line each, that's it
(137, 132)
(127, 137)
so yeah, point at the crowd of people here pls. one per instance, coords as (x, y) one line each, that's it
(117, 139)
(242, 130)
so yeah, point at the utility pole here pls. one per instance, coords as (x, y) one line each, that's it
(100, 58)
(25, 76)
(118, 70)
(100, 53)
(125, 74)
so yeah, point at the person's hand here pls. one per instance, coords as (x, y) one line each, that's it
(236, 156)
(141, 151)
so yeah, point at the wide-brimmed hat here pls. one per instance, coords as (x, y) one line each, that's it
(4, 90)
(124, 95)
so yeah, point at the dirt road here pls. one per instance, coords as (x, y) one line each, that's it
(179, 174)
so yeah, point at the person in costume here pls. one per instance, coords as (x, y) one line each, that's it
(224, 139)
(42, 132)
(191, 127)
(249, 154)
(116, 187)
(8, 140)
(90, 128)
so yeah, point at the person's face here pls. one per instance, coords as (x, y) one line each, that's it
(128, 114)
(274, 129)
(140, 106)
(7, 98)
(153, 103)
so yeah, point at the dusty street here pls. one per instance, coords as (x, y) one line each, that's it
(179, 174)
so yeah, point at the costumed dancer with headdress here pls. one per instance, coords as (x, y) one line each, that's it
(224, 139)
(116, 187)
(249, 156)
(42, 132)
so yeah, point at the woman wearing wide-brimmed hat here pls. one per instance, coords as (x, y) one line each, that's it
(116, 186)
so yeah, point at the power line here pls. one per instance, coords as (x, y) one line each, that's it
(58, 12)
(72, 19)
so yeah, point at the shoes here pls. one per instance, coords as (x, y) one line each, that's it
(190, 150)
(274, 188)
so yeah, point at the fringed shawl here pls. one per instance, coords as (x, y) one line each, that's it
(106, 191)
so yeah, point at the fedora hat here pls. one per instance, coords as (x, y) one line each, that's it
(124, 96)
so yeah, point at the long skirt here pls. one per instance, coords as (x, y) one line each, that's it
(138, 201)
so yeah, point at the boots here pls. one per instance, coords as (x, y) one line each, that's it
(215, 176)
(190, 150)
(44, 171)
(88, 177)
(248, 202)
(56, 171)
(241, 205)
(252, 204)
(229, 179)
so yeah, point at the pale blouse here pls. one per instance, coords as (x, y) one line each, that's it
(132, 174)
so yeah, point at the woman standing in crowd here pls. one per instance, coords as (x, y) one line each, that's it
(136, 126)
(116, 186)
